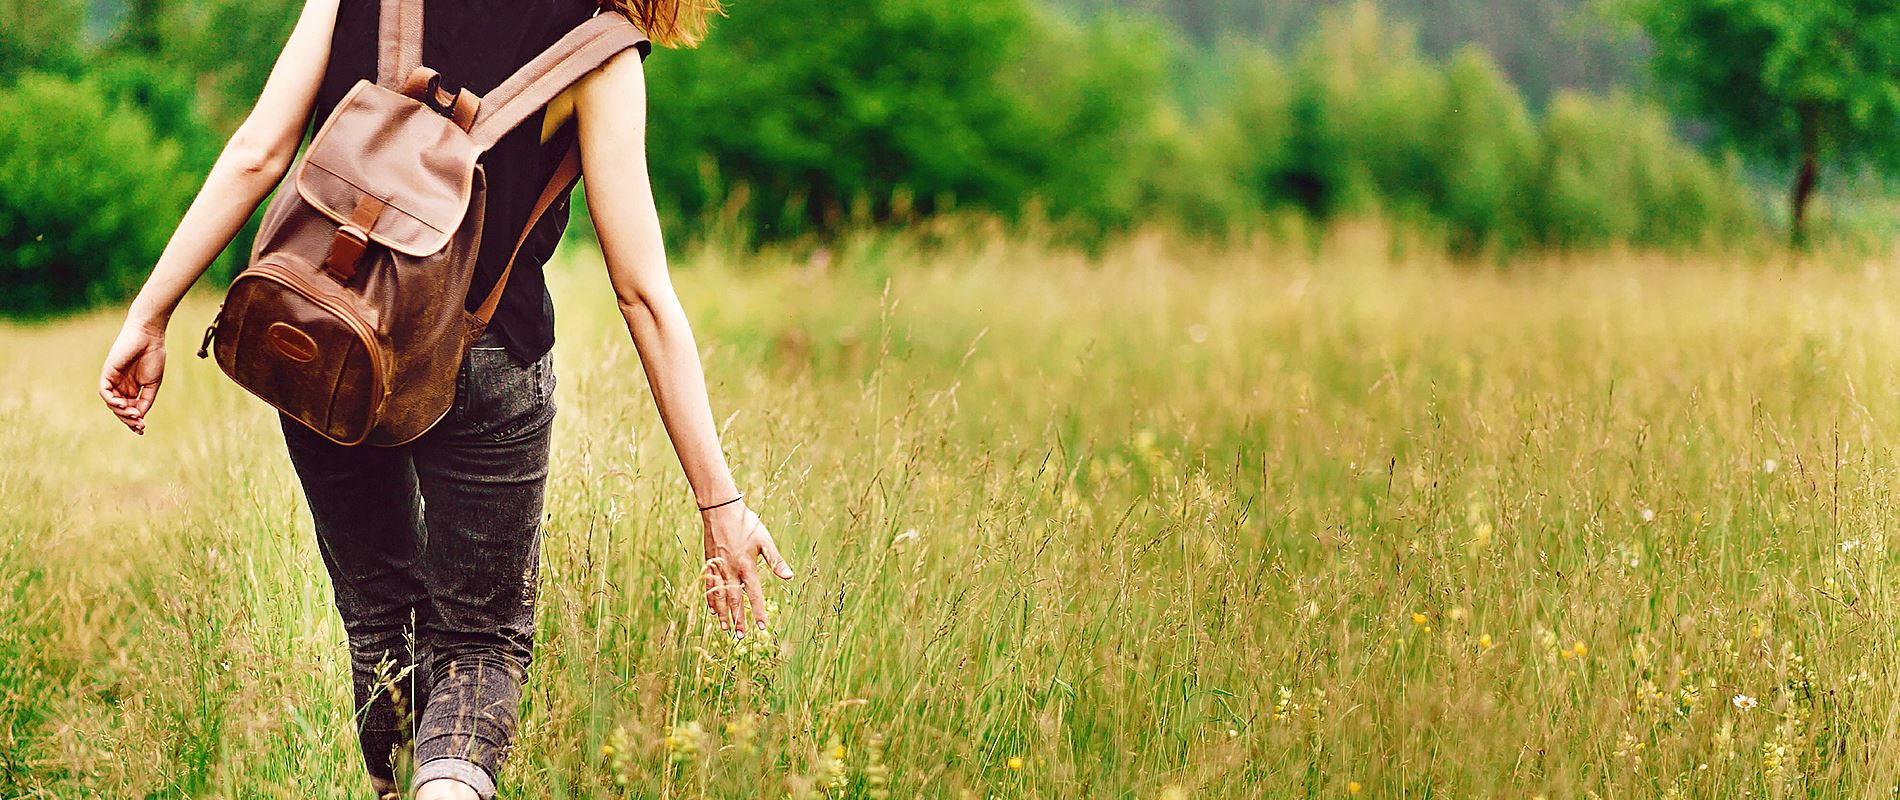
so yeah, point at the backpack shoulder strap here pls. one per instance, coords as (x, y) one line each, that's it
(398, 41)
(584, 48)
(558, 187)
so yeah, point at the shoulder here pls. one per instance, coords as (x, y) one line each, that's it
(621, 81)
(616, 90)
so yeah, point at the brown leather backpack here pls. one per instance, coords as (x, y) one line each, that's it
(350, 317)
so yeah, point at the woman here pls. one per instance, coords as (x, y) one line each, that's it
(438, 541)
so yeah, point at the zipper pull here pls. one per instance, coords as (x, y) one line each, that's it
(204, 347)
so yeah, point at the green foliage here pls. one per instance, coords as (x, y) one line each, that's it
(1483, 155)
(820, 113)
(39, 34)
(1543, 45)
(1258, 109)
(1196, 175)
(168, 99)
(225, 47)
(1375, 102)
(1796, 82)
(172, 102)
(88, 194)
(811, 118)
(1773, 74)
(791, 120)
(1613, 172)
(1369, 126)
(1095, 123)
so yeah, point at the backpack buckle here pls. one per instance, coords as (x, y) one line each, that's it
(424, 85)
(352, 238)
(434, 97)
(345, 248)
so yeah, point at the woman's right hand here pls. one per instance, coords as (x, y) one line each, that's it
(134, 366)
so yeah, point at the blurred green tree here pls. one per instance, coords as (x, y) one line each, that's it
(1259, 106)
(1543, 45)
(1377, 127)
(88, 195)
(226, 47)
(195, 68)
(1614, 171)
(1802, 83)
(820, 112)
(807, 117)
(1095, 135)
(1484, 156)
(1212, 172)
(40, 35)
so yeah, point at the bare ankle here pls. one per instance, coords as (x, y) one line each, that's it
(385, 789)
(446, 789)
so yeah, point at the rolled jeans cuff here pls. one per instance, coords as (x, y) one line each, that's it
(457, 769)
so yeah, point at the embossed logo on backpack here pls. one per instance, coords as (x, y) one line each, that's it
(294, 344)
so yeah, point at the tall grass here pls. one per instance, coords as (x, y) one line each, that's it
(1163, 523)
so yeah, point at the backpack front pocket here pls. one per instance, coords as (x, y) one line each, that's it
(301, 346)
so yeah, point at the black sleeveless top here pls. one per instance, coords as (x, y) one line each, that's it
(476, 44)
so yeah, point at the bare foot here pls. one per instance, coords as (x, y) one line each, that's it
(446, 789)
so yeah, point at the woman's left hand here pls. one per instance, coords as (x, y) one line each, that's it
(735, 540)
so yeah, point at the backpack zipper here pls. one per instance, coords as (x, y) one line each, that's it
(204, 347)
(277, 273)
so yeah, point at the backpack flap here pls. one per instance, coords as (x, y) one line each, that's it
(381, 148)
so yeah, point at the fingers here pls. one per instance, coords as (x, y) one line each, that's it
(734, 589)
(148, 393)
(735, 606)
(769, 549)
(107, 393)
(129, 382)
(715, 581)
(126, 409)
(725, 595)
(756, 593)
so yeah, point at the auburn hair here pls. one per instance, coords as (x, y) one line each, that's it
(671, 23)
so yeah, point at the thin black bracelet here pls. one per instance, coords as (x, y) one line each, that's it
(726, 503)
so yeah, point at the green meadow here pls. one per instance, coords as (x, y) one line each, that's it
(1159, 522)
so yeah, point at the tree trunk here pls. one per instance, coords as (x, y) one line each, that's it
(1807, 177)
(1804, 183)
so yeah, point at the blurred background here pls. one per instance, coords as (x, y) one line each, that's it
(1485, 128)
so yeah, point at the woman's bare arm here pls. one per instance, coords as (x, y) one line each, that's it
(249, 167)
(610, 107)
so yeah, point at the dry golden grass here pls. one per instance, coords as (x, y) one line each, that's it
(1165, 523)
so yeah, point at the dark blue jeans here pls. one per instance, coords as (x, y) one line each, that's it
(433, 549)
